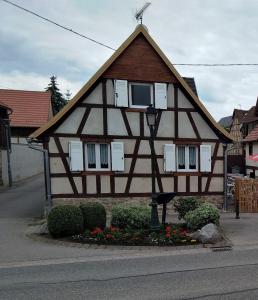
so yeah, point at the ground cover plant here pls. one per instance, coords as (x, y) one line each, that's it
(168, 235)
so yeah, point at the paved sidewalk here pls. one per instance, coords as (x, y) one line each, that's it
(243, 231)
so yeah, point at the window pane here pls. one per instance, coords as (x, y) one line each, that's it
(103, 156)
(192, 158)
(141, 94)
(91, 156)
(181, 157)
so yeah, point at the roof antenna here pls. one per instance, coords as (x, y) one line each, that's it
(139, 13)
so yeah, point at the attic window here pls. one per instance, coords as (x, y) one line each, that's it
(140, 94)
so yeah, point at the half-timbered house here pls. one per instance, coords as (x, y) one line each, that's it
(98, 144)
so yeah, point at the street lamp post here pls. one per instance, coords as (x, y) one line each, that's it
(151, 116)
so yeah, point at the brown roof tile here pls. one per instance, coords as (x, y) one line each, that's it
(252, 136)
(30, 108)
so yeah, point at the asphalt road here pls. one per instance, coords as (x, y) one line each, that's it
(231, 275)
(24, 200)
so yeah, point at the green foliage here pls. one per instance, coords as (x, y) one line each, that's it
(94, 215)
(65, 220)
(206, 213)
(184, 205)
(57, 99)
(137, 217)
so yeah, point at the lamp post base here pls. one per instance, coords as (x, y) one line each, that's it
(154, 224)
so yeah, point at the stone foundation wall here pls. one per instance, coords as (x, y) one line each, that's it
(110, 202)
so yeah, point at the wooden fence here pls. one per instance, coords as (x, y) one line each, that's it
(246, 194)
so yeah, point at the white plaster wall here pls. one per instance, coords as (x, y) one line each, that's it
(134, 121)
(56, 165)
(171, 96)
(185, 129)
(193, 183)
(52, 146)
(218, 167)
(181, 183)
(91, 185)
(140, 185)
(116, 125)
(110, 92)
(120, 184)
(25, 162)
(61, 185)
(95, 96)
(216, 184)
(143, 166)
(166, 126)
(204, 181)
(204, 129)
(94, 124)
(72, 123)
(105, 184)
(183, 102)
(144, 147)
(168, 184)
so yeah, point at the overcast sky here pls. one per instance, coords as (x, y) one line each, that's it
(195, 31)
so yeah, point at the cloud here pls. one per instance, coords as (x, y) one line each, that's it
(187, 31)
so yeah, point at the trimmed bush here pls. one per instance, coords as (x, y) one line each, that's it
(206, 213)
(184, 205)
(136, 217)
(94, 215)
(65, 220)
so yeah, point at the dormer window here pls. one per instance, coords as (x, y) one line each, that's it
(140, 94)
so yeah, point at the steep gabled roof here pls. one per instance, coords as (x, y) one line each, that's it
(239, 113)
(139, 30)
(250, 116)
(29, 108)
(191, 82)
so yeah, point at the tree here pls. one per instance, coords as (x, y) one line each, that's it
(57, 99)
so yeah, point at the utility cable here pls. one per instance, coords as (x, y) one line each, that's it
(104, 45)
(59, 25)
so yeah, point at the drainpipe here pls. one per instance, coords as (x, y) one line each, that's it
(48, 204)
(226, 175)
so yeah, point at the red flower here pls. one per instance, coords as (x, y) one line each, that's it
(168, 229)
(96, 231)
(175, 231)
(109, 236)
(168, 235)
(113, 229)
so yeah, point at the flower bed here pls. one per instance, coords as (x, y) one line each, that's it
(169, 235)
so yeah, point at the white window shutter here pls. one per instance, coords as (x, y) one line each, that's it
(205, 155)
(117, 153)
(161, 95)
(121, 93)
(76, 156)
(169, 158)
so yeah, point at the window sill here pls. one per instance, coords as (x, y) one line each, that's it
(97, 172)
(135, 109)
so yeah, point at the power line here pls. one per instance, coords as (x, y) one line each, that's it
(217, 65)
(104, 45)
(59, 25)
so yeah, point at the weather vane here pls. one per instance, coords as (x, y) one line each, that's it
(139, 13)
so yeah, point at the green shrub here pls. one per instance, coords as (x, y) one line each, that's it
(184, 205)
(204, 214)
(65, 220)
(94, 215)
(136, 217)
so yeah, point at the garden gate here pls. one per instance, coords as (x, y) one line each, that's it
(246, 194)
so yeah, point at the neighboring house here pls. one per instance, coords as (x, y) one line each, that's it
(30, 110)
(250, 120)
(236, 156)
(99, 143)
(251, 148)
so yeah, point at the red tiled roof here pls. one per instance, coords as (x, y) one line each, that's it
(30, 108)
(252, 136)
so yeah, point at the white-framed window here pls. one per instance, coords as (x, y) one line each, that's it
(97, 157)
(187, 158)
(140, 94)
